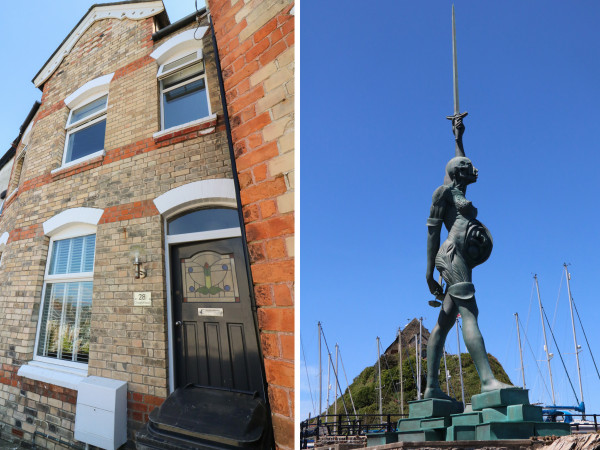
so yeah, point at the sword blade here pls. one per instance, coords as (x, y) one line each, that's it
(454, 65)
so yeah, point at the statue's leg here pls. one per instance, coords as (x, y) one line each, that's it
(474, 342)
(435, 348)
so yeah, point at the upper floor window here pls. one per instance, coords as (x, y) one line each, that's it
(86, 125)
(86, 128)
(184, 96)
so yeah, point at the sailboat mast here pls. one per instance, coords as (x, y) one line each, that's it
(573, 325)
(328, 380)
(548, 357)
(462, 384)
(320, 372)
(336, 372)
(520, 350)
(417, 359)
(400, 370)
(420, 354)
(379, 367)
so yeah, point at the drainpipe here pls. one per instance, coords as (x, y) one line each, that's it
(239, 209)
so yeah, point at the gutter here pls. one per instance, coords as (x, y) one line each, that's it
(178, 25)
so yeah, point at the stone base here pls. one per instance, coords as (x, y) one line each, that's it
(433, 407)
(504, 430)
(500, 397)
(422, 436)
(504, 414)
(552, 429)
(460, 433)
(472, 418)
(381, 438)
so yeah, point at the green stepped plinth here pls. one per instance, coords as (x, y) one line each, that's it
(504, 430)
(422, 436)
(501, 414)
(409, 424)
(498, 414)
(499, 398)
(460, 433)
(374, 439)
(552, 429)
(525, 413)
(435, 422)
(433, 407)
(467, 418)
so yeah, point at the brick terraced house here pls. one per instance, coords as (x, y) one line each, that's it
(147, 234)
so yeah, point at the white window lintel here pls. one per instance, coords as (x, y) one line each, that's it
(70, 217)
(176, 199)
(91, 90)
(184, 43)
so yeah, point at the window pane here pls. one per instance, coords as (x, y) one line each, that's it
(73, 255)
(86, 141)
(88, 110)
(65, 321)
(185, 103)
(183, 75)
(89, 247)
(204, 220)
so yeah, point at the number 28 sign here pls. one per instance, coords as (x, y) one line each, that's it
(142, 299)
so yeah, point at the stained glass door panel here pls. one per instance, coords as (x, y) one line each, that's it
(209, 277)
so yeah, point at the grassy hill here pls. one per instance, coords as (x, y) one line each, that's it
(364, 387)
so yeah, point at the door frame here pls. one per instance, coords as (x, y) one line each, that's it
(184, 239)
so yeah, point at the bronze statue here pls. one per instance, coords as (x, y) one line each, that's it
(469, 243)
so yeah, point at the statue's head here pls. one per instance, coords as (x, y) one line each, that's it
(461, 170)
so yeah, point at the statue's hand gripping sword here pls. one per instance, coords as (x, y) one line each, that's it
(458, 127)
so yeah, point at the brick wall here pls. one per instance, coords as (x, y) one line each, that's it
(128, 343)
(256, 50)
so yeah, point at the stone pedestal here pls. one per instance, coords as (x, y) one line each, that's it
(496, 415)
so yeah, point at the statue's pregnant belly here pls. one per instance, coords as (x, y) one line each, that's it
(472, 240)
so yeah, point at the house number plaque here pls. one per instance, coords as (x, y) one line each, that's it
(142, 299)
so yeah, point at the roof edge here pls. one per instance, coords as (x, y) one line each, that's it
(132, 9)
(13, 146)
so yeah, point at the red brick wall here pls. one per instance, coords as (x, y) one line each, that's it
(256, 49)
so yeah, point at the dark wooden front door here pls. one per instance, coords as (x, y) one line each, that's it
(215, 337)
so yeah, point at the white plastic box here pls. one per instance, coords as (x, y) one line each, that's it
(101, 415)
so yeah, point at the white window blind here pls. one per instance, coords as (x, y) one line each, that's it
(67, 305)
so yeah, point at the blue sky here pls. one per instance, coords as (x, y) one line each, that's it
(376, 83)
(28, 38)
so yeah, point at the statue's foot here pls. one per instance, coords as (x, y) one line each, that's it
(494, 385)
(437, 393)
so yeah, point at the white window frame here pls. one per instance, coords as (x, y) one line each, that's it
(161, 75)
(68, 233)
(81, 124)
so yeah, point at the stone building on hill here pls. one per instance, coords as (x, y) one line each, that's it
(147, 235)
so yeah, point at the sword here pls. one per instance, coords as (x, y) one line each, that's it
(457, 117)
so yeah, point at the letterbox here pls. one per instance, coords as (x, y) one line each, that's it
(101, 415)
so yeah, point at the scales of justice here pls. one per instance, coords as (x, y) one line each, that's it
(500, 411)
